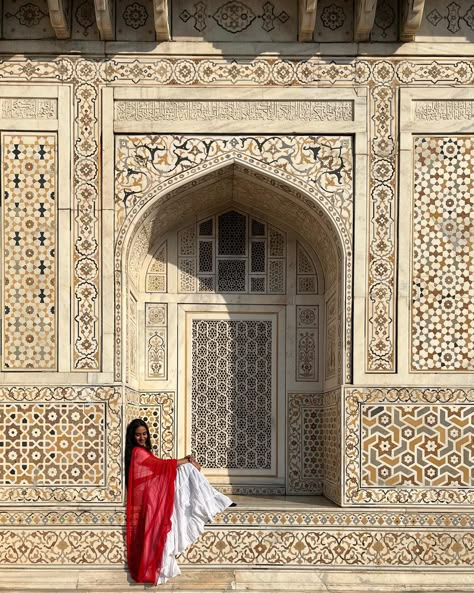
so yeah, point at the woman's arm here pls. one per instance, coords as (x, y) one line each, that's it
(189, 459)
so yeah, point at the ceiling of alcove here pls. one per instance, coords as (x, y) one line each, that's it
(233, 187)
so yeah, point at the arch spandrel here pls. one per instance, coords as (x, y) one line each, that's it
(147, 166)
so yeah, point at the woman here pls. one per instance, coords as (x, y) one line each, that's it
(168, 503)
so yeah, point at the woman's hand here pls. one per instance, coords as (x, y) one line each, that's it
(189, 459)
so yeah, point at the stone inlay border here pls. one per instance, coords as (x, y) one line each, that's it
(327, 547)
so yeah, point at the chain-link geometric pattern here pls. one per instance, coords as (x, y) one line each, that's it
(29, 190)
(231, 415)
(442, 320)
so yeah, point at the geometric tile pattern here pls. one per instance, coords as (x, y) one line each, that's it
(29, 189)
(417, 445)
(52, 444)
(442, 320)
(332, 446)
(412, 446)
(305, 443)
(61, 444)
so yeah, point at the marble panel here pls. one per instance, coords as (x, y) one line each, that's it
(305, 443)
(442, 310)
(334, 21)
(62, 444)
(26, 20)
(386, 21)
(157, 409)
(410, 446)
(218, 20)
(29, 228)
(332, 444)
(134, 20)
(452, 21)
(84, 25)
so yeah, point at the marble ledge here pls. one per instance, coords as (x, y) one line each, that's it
(256, 581)
(111, 49)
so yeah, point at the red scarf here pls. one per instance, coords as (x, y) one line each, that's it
(150, 499)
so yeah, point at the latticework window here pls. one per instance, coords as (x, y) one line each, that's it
(232, 253)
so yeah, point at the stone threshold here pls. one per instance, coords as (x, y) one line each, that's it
(245, 580)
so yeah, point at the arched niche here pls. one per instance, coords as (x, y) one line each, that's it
(291, 450)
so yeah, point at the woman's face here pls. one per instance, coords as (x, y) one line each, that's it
(141, 435)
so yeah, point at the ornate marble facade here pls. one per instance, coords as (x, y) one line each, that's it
(341, 315)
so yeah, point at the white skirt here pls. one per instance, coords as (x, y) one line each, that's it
(196, 502)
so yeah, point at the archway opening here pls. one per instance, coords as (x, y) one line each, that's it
(234, 295)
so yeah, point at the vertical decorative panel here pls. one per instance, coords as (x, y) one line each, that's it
(232, 393)
(331, 338)
(132, 335)
(156, 336)
(305, 443)
(442, 316)
(29, 183)
(307, 343)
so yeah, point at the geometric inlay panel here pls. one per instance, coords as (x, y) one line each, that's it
(331, 438)
(60, 444)
(417, 445)
(232, 393)
(442, 322)
(29, 189)
(305, 443)
(409, 445)
(52, 444)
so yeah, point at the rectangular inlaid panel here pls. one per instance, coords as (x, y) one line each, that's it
(218, 20)
(305, 443)
(423, 445)
(52, 444)
(307, 343)
(29, 184)
(442, 314)
(156, 338)
(231, 391)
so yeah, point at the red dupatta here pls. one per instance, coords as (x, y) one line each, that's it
(150, 499)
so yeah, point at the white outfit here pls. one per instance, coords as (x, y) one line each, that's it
(195, 503)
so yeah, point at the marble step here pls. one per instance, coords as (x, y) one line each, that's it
(251, 581)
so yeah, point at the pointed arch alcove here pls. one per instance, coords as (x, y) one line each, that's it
(264, 418)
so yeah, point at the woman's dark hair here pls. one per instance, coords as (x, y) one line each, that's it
(131, 443)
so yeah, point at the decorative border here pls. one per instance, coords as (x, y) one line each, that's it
(112, 490)
(353, 492)
(326, 548)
